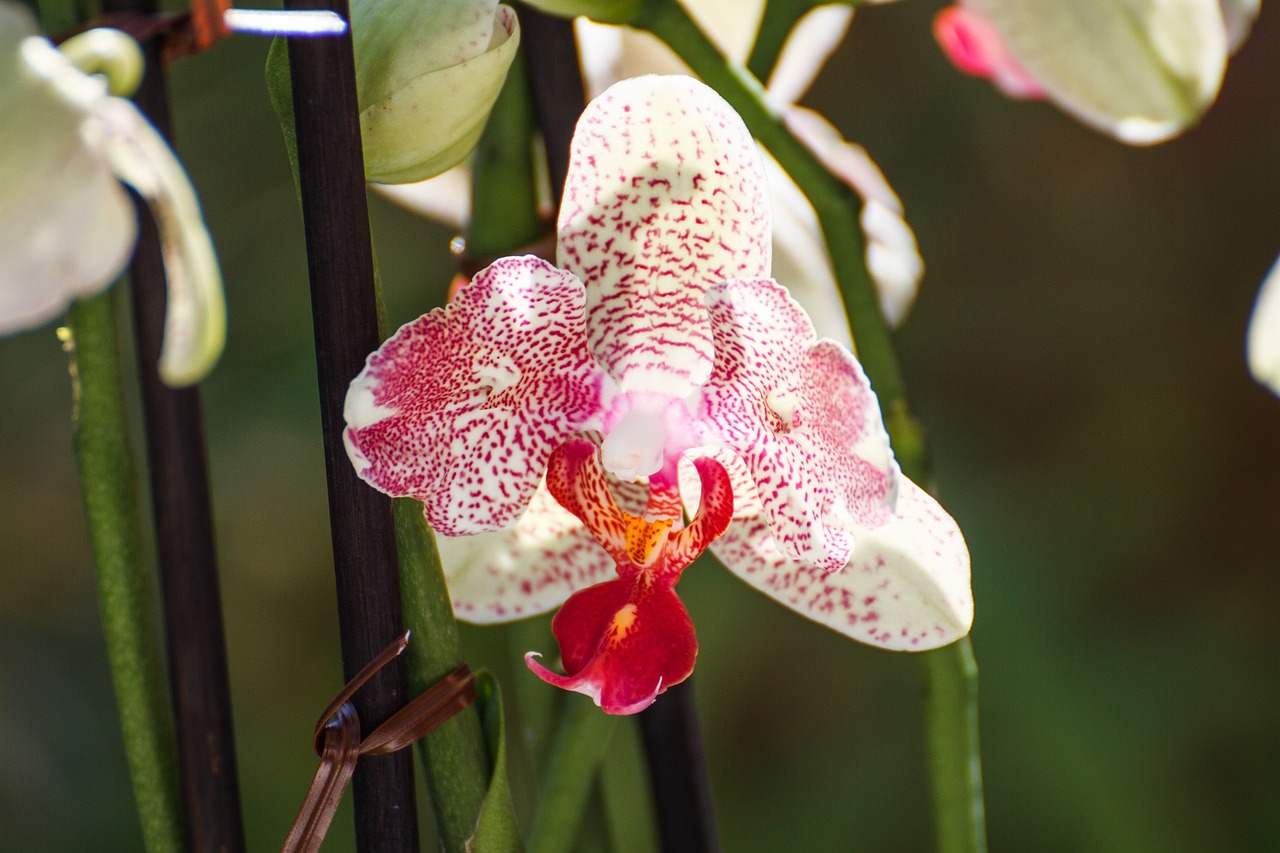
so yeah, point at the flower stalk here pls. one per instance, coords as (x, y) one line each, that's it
(111, 506)
(340, 262)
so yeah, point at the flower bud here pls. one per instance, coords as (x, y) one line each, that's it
(428, 75)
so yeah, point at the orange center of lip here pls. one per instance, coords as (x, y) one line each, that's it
(645, 538)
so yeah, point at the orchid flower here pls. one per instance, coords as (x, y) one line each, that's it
(1141, 72)
(612, 53)
(660, 354)
(67, 226)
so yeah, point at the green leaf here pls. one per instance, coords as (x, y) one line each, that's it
(496, 828)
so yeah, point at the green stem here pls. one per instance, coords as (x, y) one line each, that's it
(628, 804)
(951, 727)
(454, 759)
(779, 18)
(111, 506)
(951, 672)
(580, 744)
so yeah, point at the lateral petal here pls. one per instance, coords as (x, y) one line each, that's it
(462, 407)
(803, 419)
(526, 569)
(906, 586)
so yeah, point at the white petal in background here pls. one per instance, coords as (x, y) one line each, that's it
(1263, 344)
(1140, 71)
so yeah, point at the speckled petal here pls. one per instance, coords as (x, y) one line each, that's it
(665, 196)
(803, 419)
(462, 407)
(576, 479)
(526, 569)
(906, 587)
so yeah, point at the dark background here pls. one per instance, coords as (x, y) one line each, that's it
(1076, 354)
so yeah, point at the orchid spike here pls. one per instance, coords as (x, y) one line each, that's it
(627, 640)
(67, 227)
(662, 362)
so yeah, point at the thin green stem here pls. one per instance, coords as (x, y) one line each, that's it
(628, 804)
(776, 23)
(952, 729)
(111, 506)
(580, 744)
(951, 710)
(455, 761)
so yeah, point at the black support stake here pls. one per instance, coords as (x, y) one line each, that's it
(344, 311)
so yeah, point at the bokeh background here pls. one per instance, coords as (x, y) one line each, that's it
(1076, 354)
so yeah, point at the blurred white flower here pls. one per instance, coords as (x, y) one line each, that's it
(1142, 72)
(1263, 345)
(67, 226)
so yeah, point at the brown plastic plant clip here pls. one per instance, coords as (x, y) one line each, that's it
(337, 741)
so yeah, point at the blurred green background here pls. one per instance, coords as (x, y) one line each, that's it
(1076, 354)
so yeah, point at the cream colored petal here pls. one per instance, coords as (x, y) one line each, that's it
(892, 257)
(195, 314)
(66, 226)
(445, 198)
(1263, 346)
(810, 45)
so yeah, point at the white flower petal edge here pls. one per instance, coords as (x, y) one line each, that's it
(69, 223)
(906, 587)
(195, 322)
(1263, 344)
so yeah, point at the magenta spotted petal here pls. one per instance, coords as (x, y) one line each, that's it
(665, 196)
(462, 407)
(803, 419)
(906, 586)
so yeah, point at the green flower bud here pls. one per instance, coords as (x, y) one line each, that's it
(428, 74)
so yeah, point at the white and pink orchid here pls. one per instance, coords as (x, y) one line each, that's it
(660, 354)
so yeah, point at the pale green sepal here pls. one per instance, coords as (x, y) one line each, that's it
(108, 52)
(1139, 70)
(430, 122)
(496, 828)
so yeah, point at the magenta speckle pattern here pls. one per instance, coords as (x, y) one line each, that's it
(665, 196)
(462, 407)
(804, 420)
(905, 588)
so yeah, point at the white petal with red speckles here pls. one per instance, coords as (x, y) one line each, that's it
(803, 419)
(665, 196)
(527, 569)
(906, 586)
(462, 407)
